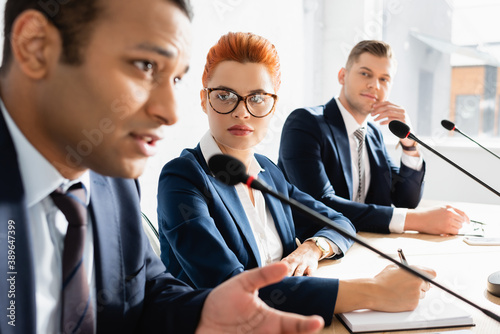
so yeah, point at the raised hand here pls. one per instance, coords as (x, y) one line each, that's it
(234, 307)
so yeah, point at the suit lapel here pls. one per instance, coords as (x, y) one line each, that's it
(232, 203)
(336, 124)
(18, 286)
(372, 148)
(107, 248)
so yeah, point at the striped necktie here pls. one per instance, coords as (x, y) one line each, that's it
(77, 313)
(360, 136)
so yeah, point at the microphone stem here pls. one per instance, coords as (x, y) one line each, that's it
(325, 222)
(463, 134)
(411, 136)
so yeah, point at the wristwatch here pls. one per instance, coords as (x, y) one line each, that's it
(409, 148)
(323, 246)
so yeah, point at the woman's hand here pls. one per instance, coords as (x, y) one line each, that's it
(304, 260)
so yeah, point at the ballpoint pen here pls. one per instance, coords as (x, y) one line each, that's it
(402, 257)
(476, 222)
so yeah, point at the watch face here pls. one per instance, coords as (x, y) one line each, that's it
(322, 244)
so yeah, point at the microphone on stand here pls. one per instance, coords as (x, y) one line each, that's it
(451, 127)
(402, 131)
(231, 171)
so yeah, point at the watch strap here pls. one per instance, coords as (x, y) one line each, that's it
(409, 148)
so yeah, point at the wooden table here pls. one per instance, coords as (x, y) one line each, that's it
(460, 267)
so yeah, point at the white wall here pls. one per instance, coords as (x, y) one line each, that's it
(213, 19)
(313, 38)
(443, 181)
(345, 22)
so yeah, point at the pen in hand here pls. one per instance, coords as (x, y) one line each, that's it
(402, 257)
(476, 222)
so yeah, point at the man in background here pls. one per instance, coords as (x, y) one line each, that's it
(333, 153)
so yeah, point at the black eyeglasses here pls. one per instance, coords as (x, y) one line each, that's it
(224, 101)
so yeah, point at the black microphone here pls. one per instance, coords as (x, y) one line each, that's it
(448, 125)
(451, 127)
(231, 171)
(402, 131)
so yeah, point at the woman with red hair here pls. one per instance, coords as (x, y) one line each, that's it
(210, 231)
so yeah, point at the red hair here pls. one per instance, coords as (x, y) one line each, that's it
(243, 48)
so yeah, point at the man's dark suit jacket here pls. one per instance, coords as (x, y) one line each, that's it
(206, 237)
(315, 156)
(134, 294)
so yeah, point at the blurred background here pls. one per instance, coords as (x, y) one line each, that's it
(448, 54)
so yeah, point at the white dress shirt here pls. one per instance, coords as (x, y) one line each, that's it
(47, 226)
(260, 218)
(397, 222)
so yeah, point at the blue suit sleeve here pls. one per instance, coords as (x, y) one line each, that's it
(302, 152)
(169, 305)
(305, 228)
(202, 245)
(192, 247)
(403, 187)
(407, 185)
(134, 293)
(303, 295)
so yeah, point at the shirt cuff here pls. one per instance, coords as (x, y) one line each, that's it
(397, 224)
(412, 162)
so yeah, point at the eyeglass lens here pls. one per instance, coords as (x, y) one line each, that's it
(224, 101)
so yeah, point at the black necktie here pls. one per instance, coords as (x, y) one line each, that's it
(77, 314)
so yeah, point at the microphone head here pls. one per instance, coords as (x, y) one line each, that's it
(399, 129)
(448, 125)
(228, 169)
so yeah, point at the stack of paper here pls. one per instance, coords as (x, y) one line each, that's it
(436, 310)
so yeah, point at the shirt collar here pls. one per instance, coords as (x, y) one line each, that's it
(350, 122)
(210, 148)
(40, 178)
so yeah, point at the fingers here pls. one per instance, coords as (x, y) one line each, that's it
(291, 266)
(453, 226)
(299, 271)
(389, 111)
(424, 285)
(452, 230)
(309, 271)
(428, 272)
(302, 261)
(461, 216)
(255, 279)
(237, 299)
(401, 290)
(303, 270)
(456, 218)
(443, 220)
(293, 323)
(391, 267)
